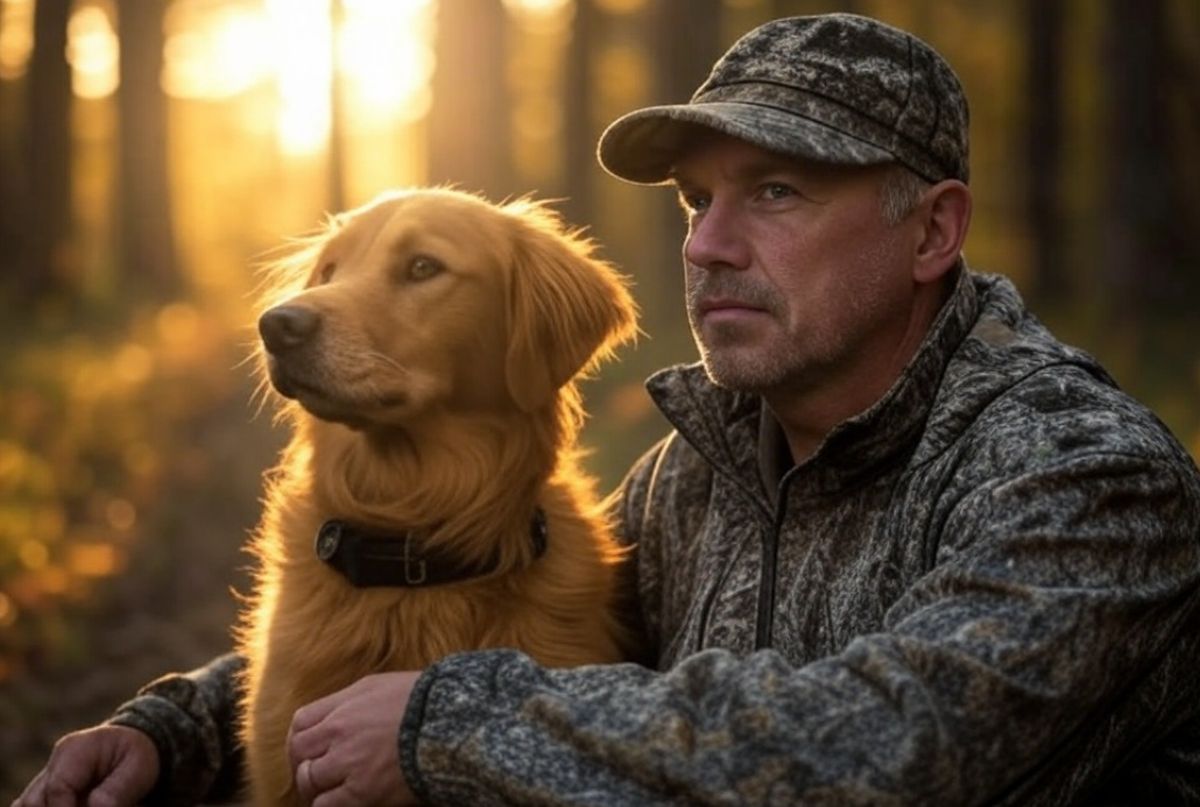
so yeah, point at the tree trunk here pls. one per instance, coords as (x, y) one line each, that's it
(687, 39)
(1043, 147)
(1144, 234)
(146, 241)
(12, 162)
(45, 265)
(469, 129)
(684, 56)
(579, 128)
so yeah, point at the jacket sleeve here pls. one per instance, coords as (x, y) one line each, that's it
(192, 719)
(1053, 640)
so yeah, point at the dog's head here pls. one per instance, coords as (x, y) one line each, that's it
(431, 300)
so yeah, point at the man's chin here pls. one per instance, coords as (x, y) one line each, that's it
(739, 374)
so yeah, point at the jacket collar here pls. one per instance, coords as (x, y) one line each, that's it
(737, 434)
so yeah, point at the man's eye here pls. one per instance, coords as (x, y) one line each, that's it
(692, 202)
(777, 190)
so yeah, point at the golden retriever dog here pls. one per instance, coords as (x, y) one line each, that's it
(430, 499)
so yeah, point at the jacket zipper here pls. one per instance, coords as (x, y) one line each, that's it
(770, 554)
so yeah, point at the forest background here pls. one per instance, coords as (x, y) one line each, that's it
(153, 151)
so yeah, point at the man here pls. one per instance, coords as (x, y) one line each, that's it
(902, 547)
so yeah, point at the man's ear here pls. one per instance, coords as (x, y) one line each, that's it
(567, 310)
(945, 215)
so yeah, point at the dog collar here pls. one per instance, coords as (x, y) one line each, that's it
(369, 559)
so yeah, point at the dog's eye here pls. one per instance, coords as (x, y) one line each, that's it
(423, 267)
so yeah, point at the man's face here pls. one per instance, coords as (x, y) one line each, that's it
(794, 280)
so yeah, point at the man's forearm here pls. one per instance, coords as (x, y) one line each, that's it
(495, 729)
(1012, 672)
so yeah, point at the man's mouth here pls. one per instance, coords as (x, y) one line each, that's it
(728, 308)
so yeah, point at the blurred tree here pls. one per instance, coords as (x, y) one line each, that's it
(11, 162)
(147, 248)
(43, 268)
(1148, 253)
(1043, 146)
(578, 131)
(687, 39)
(469, 127)
(682, 53)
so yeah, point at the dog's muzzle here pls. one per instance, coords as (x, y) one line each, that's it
(287, 328)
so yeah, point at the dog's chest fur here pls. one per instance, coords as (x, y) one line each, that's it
(312, 633)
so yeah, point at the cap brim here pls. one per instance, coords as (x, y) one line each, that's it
(642, 146)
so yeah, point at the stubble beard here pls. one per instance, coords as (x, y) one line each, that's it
(733, 356)
(747, 370)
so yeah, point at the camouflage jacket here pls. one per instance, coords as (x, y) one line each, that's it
(983, 590)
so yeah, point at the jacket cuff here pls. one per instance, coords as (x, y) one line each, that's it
(410, 731)
(451, 702)
(185, 772)
(193, 720)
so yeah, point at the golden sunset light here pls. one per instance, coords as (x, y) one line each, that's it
(16, 37)
(160, 160)
(538, 7)
(380, 52)
(385, 55)
(301, 61)
(92, 51)
(214, 52)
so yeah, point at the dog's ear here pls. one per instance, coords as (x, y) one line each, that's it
(567, 310)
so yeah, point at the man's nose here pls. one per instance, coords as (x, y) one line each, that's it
(716, 239)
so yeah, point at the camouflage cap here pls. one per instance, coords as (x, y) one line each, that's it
(837, 88)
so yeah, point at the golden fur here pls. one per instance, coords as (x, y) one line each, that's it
(437, 392)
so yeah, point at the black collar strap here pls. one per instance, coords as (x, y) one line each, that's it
(368, 558)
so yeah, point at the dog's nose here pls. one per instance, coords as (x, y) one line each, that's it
(286, 327)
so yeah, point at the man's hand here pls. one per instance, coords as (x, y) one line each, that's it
(344, 748)
(105, 766)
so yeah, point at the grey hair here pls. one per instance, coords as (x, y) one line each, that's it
(900, 193)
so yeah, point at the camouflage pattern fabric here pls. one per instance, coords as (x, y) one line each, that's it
(835, 88)
(193, 721)
(983, 590)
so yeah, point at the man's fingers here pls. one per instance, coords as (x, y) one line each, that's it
(304, 783)
(120, 763)
(60, 793)
(343, 748)
(34, 794)
(316, 776)
(307, 745)
(338, 797)
(105, 797)
(127, 783)
(308, 783)
(312, 714)
(68, 774)
(305, 740)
